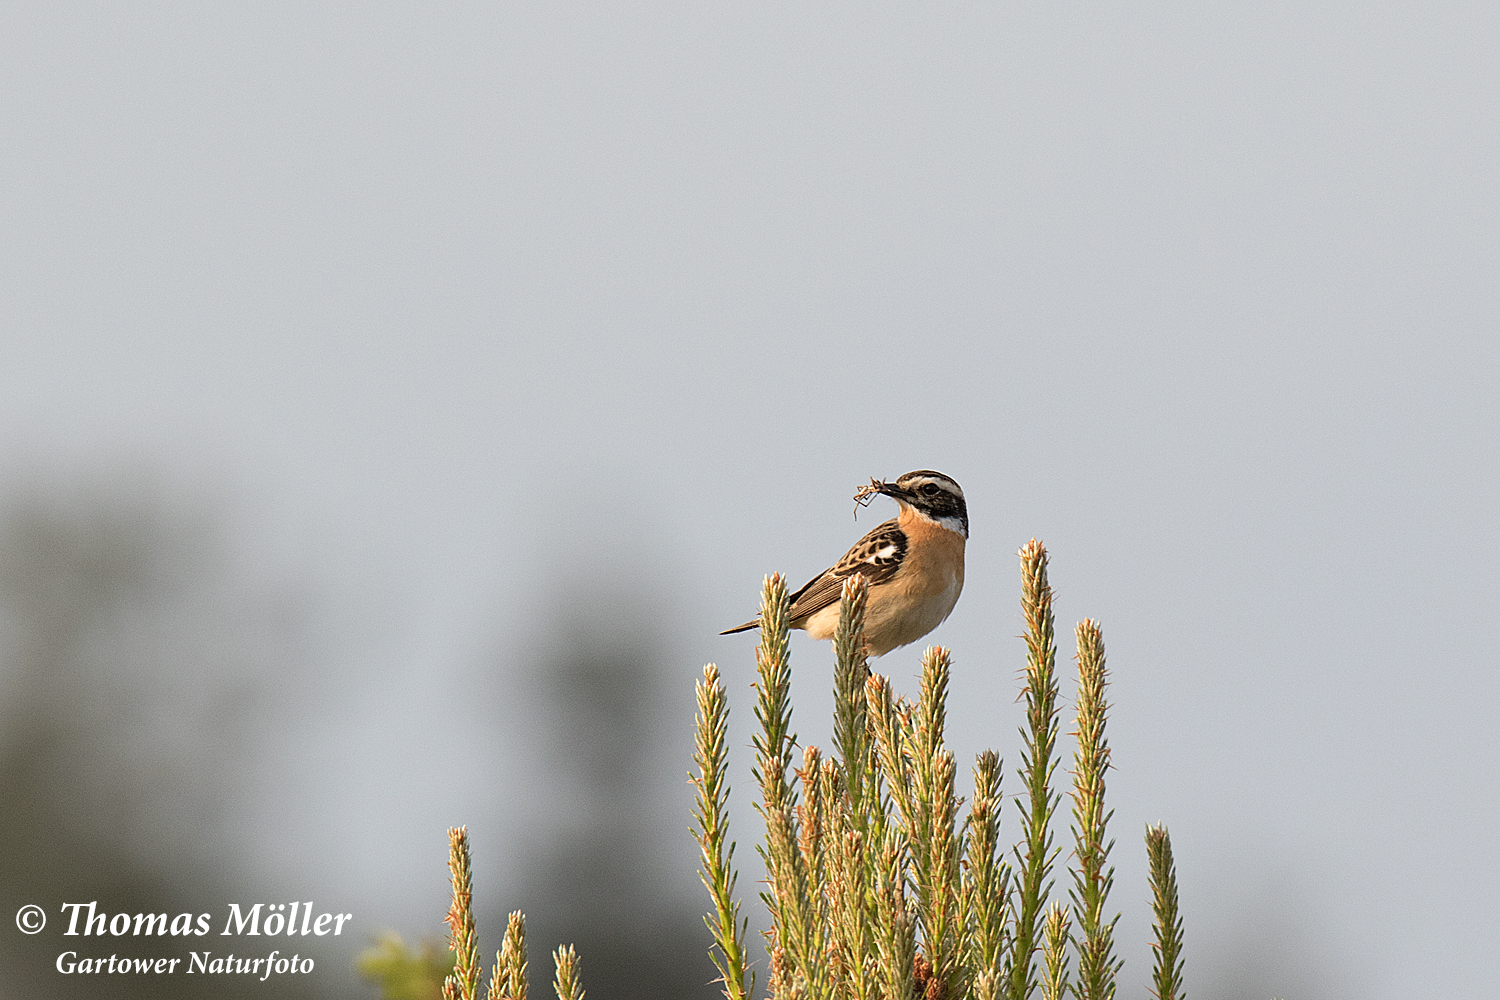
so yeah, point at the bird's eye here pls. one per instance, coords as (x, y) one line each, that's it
(929, 490)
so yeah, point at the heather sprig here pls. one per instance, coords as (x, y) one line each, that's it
(1035, 854)
(797, 929)
(567, 983)
(1055, 984)
(1166, 975)
(986, 881)
(711, 830)
(509, 980)
(851, 736)
(934, 837)
(463, 940)
(1093, 877)
(773, 707)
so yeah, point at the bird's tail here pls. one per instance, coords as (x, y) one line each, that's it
(754, 623)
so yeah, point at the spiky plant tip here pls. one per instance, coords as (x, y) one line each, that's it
(919, 772)
(848, 638)
(986, 880)
(1092, 877)
(889, 730)
(811, 814)
(1036, 592)
(1036, 609)
(1055, 937)
(716, 851)
(912, 749)
(458, 872)
(851, 671)
(1167, 926)
(1033, 561)
(567, 983)
(463, 939)
(932, 699)
(774, 607)
(508, 982)
(796, 923)
(1035, 855)
(781, 973)
(773, 709)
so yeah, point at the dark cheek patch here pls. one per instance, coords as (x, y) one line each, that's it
(947, 505)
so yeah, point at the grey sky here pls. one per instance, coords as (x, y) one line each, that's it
(452, 301)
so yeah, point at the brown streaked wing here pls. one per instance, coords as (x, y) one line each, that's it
(877, 555)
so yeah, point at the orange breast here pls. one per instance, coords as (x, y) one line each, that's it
(922, 593)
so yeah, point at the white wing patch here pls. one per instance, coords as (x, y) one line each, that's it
(884, 552)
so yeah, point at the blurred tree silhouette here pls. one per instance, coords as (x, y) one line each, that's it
(612, 866)
(132, 662)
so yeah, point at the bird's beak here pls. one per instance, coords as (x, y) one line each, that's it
(865, 494)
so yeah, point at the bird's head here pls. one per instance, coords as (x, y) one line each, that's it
(927, 494)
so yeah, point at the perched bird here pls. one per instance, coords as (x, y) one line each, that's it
(913, 565)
